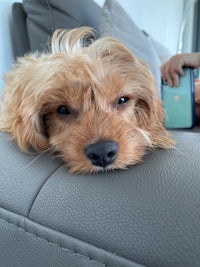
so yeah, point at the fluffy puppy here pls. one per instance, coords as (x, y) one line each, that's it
(93, 102)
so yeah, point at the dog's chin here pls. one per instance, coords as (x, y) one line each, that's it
(89, 168)
(98, 169)
(126, 157)
(109, 168)
(92, 169)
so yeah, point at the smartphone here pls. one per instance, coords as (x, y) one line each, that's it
(178, 102)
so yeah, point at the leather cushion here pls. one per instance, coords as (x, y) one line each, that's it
(147, 214)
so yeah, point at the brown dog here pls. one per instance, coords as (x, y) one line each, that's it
(95, 104)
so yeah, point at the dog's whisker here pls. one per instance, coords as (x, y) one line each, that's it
(176, 150)
(31, 162)
(146, 136)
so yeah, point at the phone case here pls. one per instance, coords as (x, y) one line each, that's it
(179, 102)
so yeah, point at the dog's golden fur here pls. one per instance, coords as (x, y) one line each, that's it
(88, 82)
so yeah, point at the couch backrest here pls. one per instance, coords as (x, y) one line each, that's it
(39, 18)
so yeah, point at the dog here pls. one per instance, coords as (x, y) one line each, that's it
(89, 99)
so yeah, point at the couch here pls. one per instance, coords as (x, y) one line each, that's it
(147, 215)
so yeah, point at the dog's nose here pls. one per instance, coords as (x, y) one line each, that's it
(102, 153)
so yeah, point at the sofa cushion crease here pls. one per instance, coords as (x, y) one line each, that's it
(39, 189)
(19, 179)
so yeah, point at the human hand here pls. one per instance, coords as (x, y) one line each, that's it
(173, 68)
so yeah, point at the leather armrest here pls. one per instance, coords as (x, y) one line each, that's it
(147, 215)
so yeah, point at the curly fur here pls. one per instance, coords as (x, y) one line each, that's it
(88, 81)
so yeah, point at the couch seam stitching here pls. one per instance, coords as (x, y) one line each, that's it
(53, 243)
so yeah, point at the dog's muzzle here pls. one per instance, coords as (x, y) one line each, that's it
(102, 153)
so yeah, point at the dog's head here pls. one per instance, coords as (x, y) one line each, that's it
(95, 104)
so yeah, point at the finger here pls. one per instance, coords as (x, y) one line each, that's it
(169, 80)
(175, 79)
(176, 72)
(176, 69)
(165, 73)
(180, 71)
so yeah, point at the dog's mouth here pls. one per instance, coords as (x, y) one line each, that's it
(102, 153)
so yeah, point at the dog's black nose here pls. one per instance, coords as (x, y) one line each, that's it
(102, 153)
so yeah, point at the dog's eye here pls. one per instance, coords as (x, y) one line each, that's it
(63, 110)
(122, 100)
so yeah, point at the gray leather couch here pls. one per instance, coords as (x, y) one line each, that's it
(147, 215)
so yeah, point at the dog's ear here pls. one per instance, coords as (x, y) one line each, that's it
(20, 112)
(149, 110)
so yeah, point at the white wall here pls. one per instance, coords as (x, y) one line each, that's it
(6, 55)
(186, 38)
(160, 18)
